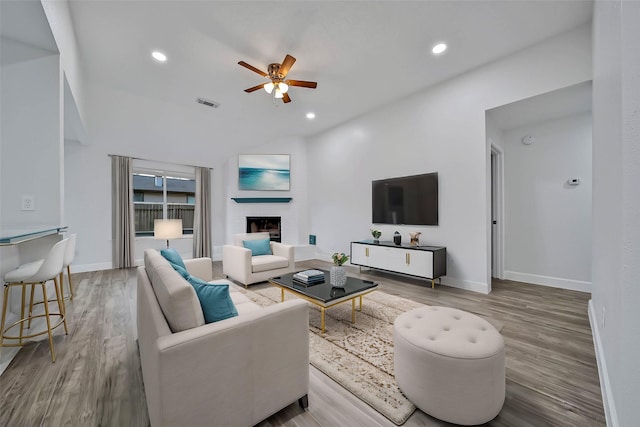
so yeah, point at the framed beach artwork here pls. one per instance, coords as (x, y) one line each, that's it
(264, 172)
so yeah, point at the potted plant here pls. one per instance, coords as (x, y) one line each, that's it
(338, 275)
(376, 235)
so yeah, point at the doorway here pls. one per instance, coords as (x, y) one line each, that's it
(497, 212)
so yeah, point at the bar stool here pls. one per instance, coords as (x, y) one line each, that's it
(32, 274)
(69, 254)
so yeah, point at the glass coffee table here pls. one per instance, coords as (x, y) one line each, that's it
(324, 295)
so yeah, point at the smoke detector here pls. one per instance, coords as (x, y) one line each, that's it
(528, 140)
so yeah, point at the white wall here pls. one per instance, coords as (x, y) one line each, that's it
(294, 215)
(613, 309)
(130, 125)
(443, 130)
(31, 123)
(548, 221)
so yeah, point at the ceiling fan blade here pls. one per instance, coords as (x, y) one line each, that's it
(302, 83)
(286, 65)
(285, 98)
(255, 88)
(252, 68)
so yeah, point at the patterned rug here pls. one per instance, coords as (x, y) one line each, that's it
(357, 356)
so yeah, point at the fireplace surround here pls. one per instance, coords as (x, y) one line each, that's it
(271, 224)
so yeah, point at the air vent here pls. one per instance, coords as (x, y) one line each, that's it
(208, 103)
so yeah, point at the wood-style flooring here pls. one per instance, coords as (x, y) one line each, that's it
(552, 378)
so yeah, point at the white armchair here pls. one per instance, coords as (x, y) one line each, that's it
(239, 265)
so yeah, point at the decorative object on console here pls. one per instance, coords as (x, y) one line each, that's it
(397, 238)
(263, 172)
(415, 238)
(167, 229)
(376, 235)
(338, 275)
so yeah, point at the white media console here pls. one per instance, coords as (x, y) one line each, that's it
(429, 262)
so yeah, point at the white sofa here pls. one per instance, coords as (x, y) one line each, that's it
(239, 265)
(235, 372)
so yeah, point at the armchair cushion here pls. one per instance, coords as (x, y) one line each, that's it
(258, 247)
(268, 262)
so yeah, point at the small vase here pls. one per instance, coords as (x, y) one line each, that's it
(338, 276)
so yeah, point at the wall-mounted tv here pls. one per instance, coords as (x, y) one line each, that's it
(410, 200)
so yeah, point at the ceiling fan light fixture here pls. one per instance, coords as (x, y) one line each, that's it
(269, 87)
(283, 87)
(278, 93)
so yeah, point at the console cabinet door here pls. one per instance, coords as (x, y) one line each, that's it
(418, 263)
(361, 254)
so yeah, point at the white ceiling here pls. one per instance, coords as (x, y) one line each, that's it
(362, 54)
(563, 102)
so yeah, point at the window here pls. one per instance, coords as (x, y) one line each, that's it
(161, 195)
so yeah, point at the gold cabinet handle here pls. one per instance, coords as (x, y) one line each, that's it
(366, 251)
(408, 258)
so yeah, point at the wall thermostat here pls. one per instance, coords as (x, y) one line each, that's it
(574, 181)
(528, 140)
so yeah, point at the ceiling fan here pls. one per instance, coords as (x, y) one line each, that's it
(277, 84)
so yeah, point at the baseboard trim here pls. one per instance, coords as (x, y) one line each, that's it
(608, 403)
(83, 268)
(467, 285)
(554, 282)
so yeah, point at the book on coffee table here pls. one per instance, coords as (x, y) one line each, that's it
(309, 276)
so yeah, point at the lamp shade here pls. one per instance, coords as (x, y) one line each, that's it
(166, 229)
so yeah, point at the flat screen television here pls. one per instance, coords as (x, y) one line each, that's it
(410, 200)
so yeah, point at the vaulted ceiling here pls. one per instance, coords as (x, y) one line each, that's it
(363, 54)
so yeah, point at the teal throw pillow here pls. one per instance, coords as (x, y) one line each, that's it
(258, 247)
(215, 300)
(173, 257)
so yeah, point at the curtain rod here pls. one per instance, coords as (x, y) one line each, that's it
(160, 161)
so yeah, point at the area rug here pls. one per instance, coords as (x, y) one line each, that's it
(357, 356)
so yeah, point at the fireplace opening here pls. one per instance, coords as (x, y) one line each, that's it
(271, 224)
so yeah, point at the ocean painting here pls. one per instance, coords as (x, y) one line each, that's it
(263, 172)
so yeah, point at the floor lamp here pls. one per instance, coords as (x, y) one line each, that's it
(166, 229)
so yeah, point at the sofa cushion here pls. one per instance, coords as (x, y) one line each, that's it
(172, 255)
(176, 297)
(242, 302)
(258, 247)
(215, 300)
(268, 262)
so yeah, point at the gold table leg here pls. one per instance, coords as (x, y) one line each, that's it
(322, 319)
(360, 302)
(433, 283)
(353, 310)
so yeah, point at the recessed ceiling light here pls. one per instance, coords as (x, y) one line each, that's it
(159, 56)
(311, 116)
(439, 48)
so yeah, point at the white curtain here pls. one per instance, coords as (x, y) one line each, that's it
(202, 214)
(123, 228)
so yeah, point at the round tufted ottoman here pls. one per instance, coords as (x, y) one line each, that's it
(450, 364)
